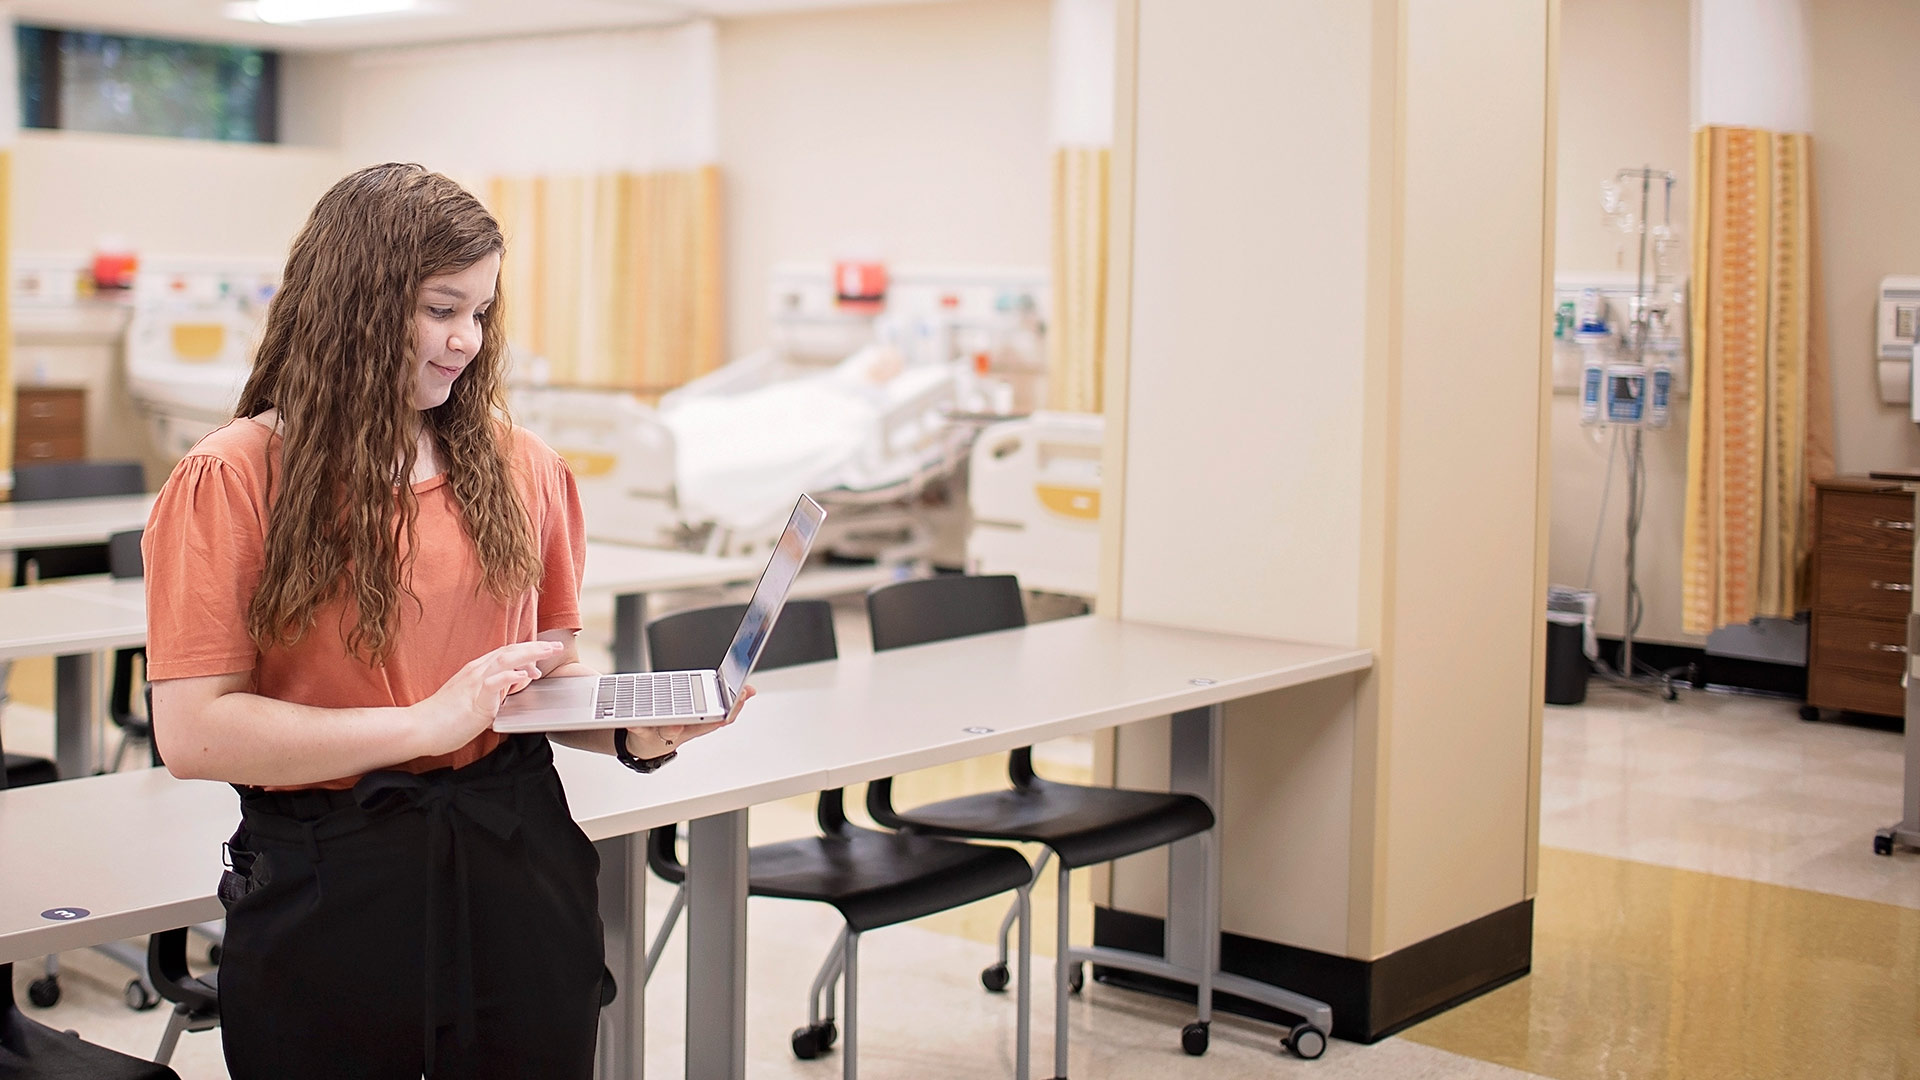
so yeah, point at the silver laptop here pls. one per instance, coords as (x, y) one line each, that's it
(672, 697)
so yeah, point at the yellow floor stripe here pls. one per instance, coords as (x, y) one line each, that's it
(1648, 973)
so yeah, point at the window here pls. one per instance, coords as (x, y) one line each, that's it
(84, 81)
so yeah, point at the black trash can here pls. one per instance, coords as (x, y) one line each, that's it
(1567, 667)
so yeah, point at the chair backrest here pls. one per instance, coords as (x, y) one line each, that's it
(937, 608)
(123, 554)
(77, 480)
(698, 639)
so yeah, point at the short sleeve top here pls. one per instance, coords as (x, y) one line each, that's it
(205, 550)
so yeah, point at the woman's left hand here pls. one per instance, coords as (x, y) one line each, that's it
(652, 742)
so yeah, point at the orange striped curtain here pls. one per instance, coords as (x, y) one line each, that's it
(1076, 341)
(614, 279)
(1761, 409)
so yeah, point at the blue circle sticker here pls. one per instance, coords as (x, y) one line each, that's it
(65, 914)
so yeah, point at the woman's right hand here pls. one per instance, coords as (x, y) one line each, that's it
(466, 705)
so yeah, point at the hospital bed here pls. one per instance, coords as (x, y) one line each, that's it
(1034, 487)
(871, 413)
(717, 464)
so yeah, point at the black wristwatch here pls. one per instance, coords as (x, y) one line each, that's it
(638, 764)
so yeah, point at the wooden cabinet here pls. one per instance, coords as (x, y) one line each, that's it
(49, 424)
(1862, 592)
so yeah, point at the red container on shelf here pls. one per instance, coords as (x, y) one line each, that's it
(114, 269)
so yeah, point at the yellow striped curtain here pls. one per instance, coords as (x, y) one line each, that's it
(1761, 408)
(614, 279)
(1076, 342)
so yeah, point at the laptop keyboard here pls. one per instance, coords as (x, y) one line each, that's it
(642, 695)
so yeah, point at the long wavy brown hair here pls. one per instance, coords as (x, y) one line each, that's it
(337, 360)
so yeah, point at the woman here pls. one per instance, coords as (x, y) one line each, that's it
(343, 584)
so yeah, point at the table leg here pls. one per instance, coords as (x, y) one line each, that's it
(717, 947)
(629, 639)
(623, 916)
(1197, 766)
(1194, 768)
(73, 714)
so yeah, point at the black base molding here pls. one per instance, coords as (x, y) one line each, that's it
(1787, 680)
(1371, 999)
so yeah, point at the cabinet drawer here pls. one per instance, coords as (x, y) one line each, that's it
(1865, 583)
(50, 406)
(26, 451)
(1876, 646)
(1866, 519)
(1854, 691)
(25, 428)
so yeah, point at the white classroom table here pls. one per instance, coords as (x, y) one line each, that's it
(68, 522)
(139, 852)
(73, 619)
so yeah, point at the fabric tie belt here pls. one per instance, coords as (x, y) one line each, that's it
(450, 806)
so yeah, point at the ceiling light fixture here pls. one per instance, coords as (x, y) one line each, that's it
(306, 11)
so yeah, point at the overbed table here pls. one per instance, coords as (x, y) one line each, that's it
(139, 852)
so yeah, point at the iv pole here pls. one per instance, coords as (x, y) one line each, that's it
(1637, 331)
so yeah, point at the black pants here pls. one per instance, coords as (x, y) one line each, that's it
(446, 924)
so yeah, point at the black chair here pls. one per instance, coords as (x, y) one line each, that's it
(64, 480)
(872, 878)
(124, 561)
(195, 998)
(30, 1050)
(25, 771)
(1081, 826)
(70, 480)
(79, 480)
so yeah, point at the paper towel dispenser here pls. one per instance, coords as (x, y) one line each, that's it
(1896, 329)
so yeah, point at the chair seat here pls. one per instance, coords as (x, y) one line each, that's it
(876, 879)
(23, 771)
(34, 1051)
(1083, 825)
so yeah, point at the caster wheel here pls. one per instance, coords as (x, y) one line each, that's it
(1694, 678)
(1882, 845)
(1672, 694)
(139, 998)
(1809, 713)
(44, 993)
(1077, 978)
(213, 955)
(1193, 1038)
(805, 1046)
(826, 1035)
(1307, 1042)
(995, 979)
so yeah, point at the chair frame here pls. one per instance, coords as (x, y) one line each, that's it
(841, 965)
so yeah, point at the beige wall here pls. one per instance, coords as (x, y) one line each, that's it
(167, 197)
(919, 133)
(1623, 102)
(1461, 611)
(1866, 161)
(1299, 465)
(1248, 326)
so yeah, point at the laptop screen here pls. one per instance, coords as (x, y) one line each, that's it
(771, 593)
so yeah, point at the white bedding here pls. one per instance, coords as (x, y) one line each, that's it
(743, 458)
